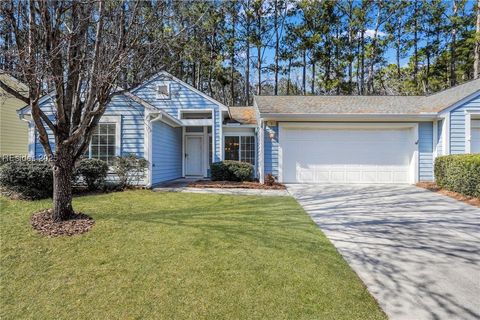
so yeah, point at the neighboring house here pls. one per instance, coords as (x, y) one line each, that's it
(13, 131)
(316, 139)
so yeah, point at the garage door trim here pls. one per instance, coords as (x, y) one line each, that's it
(350, 125)
(470, 116)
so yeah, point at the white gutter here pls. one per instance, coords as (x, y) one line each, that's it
(165, 117)
(345, 116)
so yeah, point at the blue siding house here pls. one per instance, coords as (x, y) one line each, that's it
(297, 139)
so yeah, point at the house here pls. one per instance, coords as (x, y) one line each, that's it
(314, 139)
(13, 131)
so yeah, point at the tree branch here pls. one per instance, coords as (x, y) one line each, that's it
(13, 92)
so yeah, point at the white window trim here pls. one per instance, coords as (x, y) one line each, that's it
(250, 134)
(161, 96)
(470, 114)
(196, 122)
(117, 120)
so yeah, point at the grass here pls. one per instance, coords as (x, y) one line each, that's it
(177, 256)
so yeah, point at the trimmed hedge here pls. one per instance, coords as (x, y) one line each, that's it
(229, 170)
(32, 179)
(459, 173)
(93, 172)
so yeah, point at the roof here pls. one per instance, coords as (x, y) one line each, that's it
(448, 97)
(243, 115)
(13, 83)
(367, 104)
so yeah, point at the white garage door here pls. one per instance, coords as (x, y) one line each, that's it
(475, 137)
(347, 153)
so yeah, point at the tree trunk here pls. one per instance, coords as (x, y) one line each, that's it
(453, 44)
(232, 60)
(476, 63)
(259, 69)
(362, 62)
(304, 79)
(277, 48)
(312, 88)
(288, 77)
(415, 41)
(62, 167)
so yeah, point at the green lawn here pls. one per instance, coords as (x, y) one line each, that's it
(177, 256)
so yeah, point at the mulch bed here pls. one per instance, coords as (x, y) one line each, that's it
(432, 186)
(43, 222)
(235, 185)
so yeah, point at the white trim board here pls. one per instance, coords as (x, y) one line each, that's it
(470, 114)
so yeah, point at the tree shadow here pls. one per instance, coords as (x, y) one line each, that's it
(417, 252)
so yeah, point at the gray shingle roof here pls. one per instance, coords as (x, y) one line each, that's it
(366, 104)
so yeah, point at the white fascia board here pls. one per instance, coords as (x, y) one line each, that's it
(163, 116)
(347, 117)
(239, 125)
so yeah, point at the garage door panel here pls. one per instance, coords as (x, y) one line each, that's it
(346, 156)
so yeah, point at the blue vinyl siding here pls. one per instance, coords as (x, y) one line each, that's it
(457, 125)
(182, 97)
(131, 125)
(166, 152)
(425, 151)
(271, 151)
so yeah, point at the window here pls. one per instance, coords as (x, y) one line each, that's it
(196, 115)
(240, 148)
(103, 142)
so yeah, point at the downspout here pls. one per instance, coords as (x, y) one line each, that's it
(31, 132)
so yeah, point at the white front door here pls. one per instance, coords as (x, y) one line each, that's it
(194, 155)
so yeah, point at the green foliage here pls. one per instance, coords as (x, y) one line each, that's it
(32, 179)
(93, 172)
(459, 173)
(231, 171)
(130, 169)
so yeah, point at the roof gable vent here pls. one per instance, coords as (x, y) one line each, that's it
(162, 91)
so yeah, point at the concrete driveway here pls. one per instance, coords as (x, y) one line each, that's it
(418, 252)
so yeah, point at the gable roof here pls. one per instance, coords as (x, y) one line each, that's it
(168, 75)
(402, 105)
(449, 97)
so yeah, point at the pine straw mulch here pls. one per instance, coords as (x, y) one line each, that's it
(43, 222)
(432, 186)
(235, 185)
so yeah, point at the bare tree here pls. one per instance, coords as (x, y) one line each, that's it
(76, 51)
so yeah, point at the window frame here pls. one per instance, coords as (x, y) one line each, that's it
(239, 136)
(110, 120)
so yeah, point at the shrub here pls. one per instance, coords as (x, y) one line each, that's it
(130, 169)
(459, 173)
(231, 171)
(32, 179)
(269, 179)
(93, 172)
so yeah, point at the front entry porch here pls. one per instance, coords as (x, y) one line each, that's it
(197, 151)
